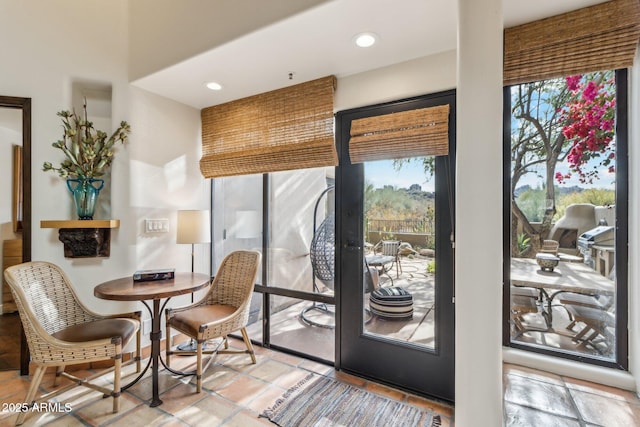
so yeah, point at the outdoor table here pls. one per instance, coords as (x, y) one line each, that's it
(125, 289)
(566, 277)
(380, 261)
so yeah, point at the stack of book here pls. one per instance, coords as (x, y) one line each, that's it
(152, 275)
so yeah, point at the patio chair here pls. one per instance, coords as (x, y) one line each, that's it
(322, 254)
(390, 248)
(550, 247)
(371, 283)
(596, 322)
(222, 311)
(62, 332)
(523, 301)
(592, 301)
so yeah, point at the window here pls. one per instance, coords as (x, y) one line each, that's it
(292, 309)
(566, 217)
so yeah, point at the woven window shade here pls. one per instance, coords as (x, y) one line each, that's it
(285, 129)
(600, 37)
(413, 133)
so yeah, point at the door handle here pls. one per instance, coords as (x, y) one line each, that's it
(352, 246)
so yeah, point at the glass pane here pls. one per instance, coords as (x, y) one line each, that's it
(237, 216)
(563, 189)
(400, 272)
(254, 327)
(288, 331)
(302, 239)
(301, 207)
(295, 199)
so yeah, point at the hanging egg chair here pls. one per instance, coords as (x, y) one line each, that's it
(322, 253)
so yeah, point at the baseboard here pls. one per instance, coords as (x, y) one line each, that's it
(569, 368)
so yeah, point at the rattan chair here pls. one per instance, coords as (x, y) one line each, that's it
(62, 332)
(222, 311)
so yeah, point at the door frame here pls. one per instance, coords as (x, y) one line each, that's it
(24, 104)
(347, 244)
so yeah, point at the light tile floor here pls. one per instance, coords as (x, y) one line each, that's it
(235, 392)
(535, 398)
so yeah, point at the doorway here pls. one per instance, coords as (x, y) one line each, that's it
(394, 228)
(15, 132)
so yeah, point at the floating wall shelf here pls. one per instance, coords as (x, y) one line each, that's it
(84, 238)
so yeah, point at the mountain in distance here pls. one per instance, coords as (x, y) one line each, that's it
(559, 190)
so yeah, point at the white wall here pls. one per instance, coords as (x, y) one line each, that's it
(54, 44)
(412, 78)
(478, 269)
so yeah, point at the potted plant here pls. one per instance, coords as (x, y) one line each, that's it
(89, 154)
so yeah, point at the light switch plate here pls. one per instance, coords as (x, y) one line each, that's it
(160, 225)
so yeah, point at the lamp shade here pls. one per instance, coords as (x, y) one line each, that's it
(193, 227)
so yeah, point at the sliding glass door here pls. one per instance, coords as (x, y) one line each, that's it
(288, 217)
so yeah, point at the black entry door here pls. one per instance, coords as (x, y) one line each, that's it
(395, 308)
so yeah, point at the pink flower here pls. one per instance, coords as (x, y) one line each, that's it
(590, 92)
(573, 82)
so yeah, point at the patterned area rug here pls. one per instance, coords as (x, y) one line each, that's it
(326, 402)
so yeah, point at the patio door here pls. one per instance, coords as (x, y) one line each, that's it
(395, 258)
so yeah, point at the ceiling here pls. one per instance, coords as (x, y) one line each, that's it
(319, 42)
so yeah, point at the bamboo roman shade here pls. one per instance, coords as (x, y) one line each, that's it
(285, 129)
(600, 37)
(412, 133)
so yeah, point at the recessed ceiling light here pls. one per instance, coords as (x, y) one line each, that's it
(214, 86)
(366, 39)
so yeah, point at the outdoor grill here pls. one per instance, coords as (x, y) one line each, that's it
(602, 235)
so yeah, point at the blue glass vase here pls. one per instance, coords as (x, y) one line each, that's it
(85, 195)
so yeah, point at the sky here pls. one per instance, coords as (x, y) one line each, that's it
(607, 179)
(382, 172)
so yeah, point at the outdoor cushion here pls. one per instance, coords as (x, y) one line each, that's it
(391, 303)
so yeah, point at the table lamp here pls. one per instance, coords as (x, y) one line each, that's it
(193, 227)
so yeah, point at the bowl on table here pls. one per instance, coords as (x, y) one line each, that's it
(546, 261)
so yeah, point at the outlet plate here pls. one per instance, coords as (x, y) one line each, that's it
(160, 225)
(146, 326)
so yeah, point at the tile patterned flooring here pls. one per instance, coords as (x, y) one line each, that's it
(235, 392)
(536, 398)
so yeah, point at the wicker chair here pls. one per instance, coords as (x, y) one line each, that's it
(61, 331)
(223, 310)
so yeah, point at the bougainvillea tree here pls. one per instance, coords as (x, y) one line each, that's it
(589, 126)
(570, 119)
